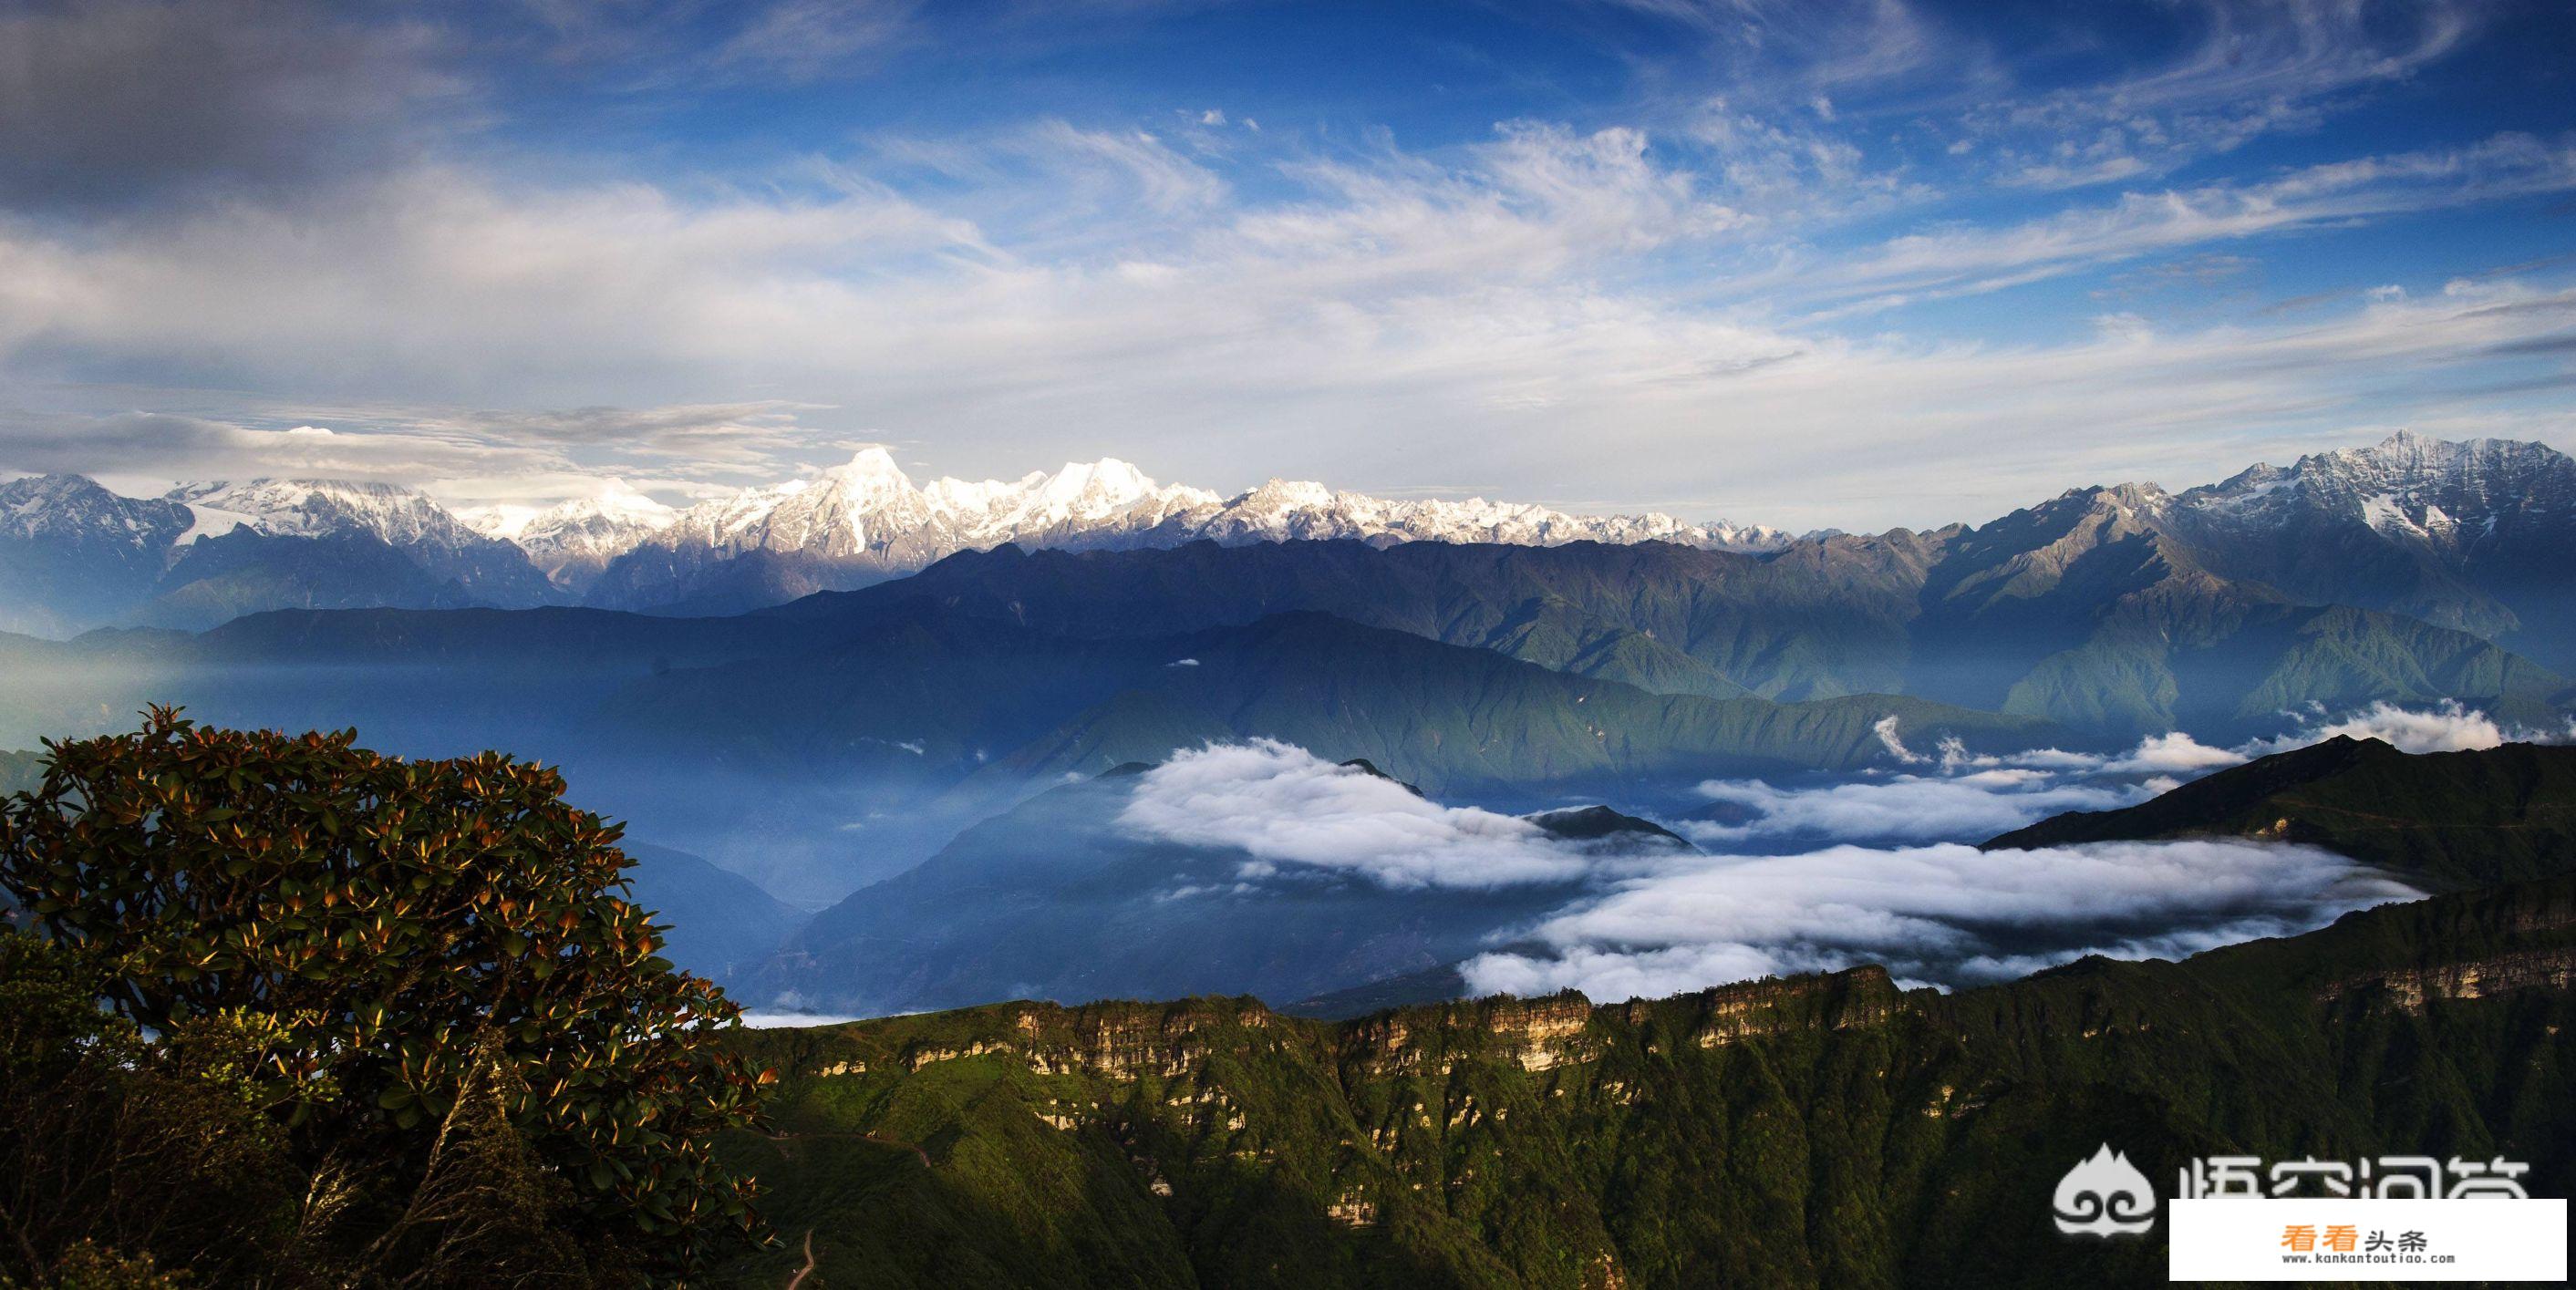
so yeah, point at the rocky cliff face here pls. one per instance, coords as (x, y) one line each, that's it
(2410, 989)
(1132, 1041)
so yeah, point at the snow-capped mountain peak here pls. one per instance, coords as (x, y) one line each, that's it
(2407, 486)
(1081, 504)
(1090, 490)
(1283, 509)
(1288, 495)
(76, 508)
(866, 519)
(401, 517)
(616, 502)
(869, 477)
(573, 540)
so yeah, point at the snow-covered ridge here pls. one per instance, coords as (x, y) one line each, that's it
(72, 508)
(573, 540)
(400, 517)
(865, 518)
(2410, 487)
(869, 507)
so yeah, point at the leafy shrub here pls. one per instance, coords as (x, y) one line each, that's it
(392, 953)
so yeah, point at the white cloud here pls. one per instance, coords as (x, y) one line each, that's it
(1890, 885)
(1890, 737)
(1973, 259)
(759, 1019)
(1164, 179)
(173, 447)
(2447, 727)
(1958, 795)
(1948, 914)
(2173, 753)
(1801, 48)
(1290, 810)
(1487, 312)
(1975, 805)
(2253, 70)
(803, 40)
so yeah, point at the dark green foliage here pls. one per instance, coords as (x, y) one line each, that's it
(485, 1200)
(1823, 1131)
(90, 1266)
(395, 953)
(115, 1151)
(2445, 821)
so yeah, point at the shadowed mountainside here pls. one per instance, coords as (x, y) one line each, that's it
(2444, 821)
(2086, 611)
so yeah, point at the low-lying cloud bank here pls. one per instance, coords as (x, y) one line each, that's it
(776, 1019)
(1881, 868)
(1934, 909)
(1288, 809)
(1949, 794)
(1976, 804)
(1946, 914)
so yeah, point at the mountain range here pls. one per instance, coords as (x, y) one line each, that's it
(2411, 570)
(2459, 535)
(841, 738)
(2071, 613)
(858, 730)
(866, 521)
(74, 555)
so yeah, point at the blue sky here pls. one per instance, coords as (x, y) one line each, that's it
(1852, 264)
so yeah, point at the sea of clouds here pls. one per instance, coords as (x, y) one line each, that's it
(1801, 877)
(1947, 793)
(1945, 914)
